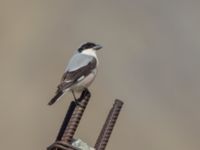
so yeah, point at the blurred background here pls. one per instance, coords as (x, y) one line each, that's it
(150, 60)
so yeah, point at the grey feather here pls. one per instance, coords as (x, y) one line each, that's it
(77, 61)
(79, 66)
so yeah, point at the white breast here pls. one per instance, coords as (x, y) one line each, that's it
(84, 83)
(91, 52)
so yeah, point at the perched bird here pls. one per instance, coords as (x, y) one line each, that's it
(80, 72)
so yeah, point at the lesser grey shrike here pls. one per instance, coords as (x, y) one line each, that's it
(80, 72)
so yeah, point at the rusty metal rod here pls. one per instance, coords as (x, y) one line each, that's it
(70, 123)
(108, 126)
(76, 117)
(66, 120)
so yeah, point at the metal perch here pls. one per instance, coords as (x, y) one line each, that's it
(108, 126)
(72, 119)
(70, 124)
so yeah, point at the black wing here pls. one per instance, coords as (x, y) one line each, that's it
(71, 77)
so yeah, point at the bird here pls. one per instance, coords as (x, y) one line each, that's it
(80, 71)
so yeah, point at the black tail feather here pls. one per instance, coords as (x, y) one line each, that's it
(55, 98)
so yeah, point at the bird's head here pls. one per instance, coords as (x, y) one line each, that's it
(89, 46)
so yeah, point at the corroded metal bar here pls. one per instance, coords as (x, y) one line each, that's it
(76, 117)
(66, 120)
(70, 123)
(108, 126)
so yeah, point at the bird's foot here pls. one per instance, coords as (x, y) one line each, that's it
(78, 103)
(84, 94)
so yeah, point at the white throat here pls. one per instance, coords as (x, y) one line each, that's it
(90, 52)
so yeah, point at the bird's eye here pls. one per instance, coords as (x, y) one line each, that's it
(86, 46)
(90, 45)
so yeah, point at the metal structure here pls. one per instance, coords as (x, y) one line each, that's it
(108, 126)
(72, 120)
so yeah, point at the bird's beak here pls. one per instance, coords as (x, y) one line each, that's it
(98, 47)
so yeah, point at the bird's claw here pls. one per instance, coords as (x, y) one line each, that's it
(77, 102)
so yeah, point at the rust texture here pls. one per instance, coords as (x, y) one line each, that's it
(76, 117)
(66, 120)
(70, 123)
(108, 126)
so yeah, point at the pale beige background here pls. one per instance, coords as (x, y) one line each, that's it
(150, 60)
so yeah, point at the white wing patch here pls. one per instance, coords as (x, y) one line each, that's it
(81, 78)
(67, 81)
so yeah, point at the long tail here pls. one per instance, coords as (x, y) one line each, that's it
(56, 97)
